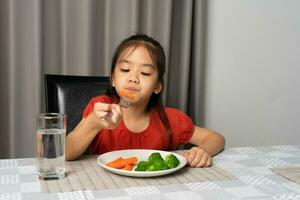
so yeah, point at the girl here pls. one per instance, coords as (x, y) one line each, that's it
(138, 67)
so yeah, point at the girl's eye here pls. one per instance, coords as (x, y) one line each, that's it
(124, 70)
(146, 74)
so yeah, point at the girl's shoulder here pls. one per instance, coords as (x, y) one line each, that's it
(181, 124)
(170, 110)
(176, 114)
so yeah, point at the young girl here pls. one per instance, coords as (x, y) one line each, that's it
(138, 67)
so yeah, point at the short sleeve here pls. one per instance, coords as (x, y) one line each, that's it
(182, 126)
(90, 106)
(88, 109)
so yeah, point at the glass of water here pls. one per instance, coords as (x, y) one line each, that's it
(51, 133)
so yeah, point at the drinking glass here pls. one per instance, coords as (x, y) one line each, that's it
(51, 133)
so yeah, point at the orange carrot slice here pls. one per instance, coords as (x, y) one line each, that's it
(127, 95)
(128, 167)
(122, 163)
(114, 161)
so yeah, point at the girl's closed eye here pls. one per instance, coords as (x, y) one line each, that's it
(124, 69)
(146, 73)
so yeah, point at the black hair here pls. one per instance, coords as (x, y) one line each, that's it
(158, 57)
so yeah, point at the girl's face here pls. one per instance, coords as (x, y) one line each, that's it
(136, 73)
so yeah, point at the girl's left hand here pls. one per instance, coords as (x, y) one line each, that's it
(198, 157)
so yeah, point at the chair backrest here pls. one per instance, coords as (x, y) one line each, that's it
(70, 94)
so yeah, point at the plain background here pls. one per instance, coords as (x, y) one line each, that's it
(233, 64)
(253, 67)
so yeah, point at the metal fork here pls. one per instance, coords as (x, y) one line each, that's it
(123, 103)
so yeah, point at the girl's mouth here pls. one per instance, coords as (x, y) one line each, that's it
(131, 89)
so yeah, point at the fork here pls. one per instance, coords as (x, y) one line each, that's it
(125, 101)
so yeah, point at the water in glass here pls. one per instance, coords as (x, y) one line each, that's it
(51, 153)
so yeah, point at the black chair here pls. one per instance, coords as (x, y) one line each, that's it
(70, 94)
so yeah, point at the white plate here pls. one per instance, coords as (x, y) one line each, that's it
(141, 154)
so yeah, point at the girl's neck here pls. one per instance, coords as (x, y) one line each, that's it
(134, 112)
(136, 119)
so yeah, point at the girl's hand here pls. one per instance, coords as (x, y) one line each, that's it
(198, 157)
(112, 113)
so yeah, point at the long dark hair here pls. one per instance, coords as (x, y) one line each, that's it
(157, 54)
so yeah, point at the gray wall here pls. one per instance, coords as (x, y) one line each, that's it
(253, 69)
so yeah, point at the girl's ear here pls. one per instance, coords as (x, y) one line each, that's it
(112, 80)
(158, 88)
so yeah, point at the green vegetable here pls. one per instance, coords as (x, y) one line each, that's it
(158, 165)
(155, 157)
(155, 162)
(171, 161)
(142, 166)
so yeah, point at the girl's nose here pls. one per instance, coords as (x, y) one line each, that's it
(133, 79)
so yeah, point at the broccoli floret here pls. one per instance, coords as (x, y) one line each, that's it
(154, 157)
(157, 165)
(142, 166)
(155, 162)
(171, 161)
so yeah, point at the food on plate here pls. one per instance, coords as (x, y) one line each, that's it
(154, 157)
(111, 163)
(120, 162)
(157, 166)
(128, 167)
(155, 162)
(142, 166)
(171, 161)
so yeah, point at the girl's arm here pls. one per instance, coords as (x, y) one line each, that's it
(80, 138)
(211, 141)
(208, 143)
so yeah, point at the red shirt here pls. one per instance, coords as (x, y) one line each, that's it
(153, 137)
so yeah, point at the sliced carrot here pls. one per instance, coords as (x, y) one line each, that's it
(114, 161)
(127, 95)
(128, 167)
(122, 163)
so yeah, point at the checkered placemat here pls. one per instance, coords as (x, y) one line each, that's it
(291, 173)
(86, 174)
(18, 176)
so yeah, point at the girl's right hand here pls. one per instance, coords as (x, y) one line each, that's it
(112, 113)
